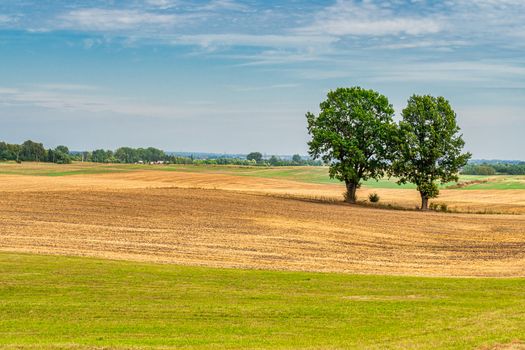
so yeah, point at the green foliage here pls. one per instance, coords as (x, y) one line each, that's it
(274, 160)
(63, 149)
(58, 155)
(32, 151)
(127, 155)
(352, 134)
(373, 197)
(10, 151)
(509, 169)
(28, 151)
(256, 156)
(472, 169)
(102, 156)
(494, 168)
(429, 146)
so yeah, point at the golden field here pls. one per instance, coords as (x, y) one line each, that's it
(224, 220)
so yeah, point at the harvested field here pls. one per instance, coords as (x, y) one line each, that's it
(144, 216)
(466, 201)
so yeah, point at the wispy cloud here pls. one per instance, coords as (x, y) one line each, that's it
(162, 4)
(369, 18)
(65, 87)
(95, 19)
(343, 24)
(244, 88)
(420, 72)
(223, 5)
(73, 98)
(270, 40)
(4, 19)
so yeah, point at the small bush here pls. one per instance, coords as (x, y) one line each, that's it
(439, 207)
(373, 197)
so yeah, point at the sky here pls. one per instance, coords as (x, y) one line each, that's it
(239, 75)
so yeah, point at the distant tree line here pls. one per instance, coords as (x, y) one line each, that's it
(494, 168)
(36, 152)
(274, 160)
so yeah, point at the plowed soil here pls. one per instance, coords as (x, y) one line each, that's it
(231, 221)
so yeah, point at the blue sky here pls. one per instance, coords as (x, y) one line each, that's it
(238, 76)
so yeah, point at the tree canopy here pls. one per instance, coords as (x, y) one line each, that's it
(353, 133)
(429, 148)
(257, 156)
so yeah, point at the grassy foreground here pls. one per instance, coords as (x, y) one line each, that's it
(51, 302)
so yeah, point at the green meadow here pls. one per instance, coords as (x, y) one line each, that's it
(56, 302)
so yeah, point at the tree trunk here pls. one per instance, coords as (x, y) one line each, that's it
(351, 189)
(424, 201)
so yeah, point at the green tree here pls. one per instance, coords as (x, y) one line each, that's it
(127, 155)
(33, 151)
(352, 134)
(274, 161)
(63, 149)
(256, 156)
(101, 156)
(297, 159)
(59, 155)
(430, 146)
(152, 154)
(15, 151)
(5, 153)
(483, 169)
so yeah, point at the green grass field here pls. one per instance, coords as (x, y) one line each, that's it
(302, 174)
(50, 302)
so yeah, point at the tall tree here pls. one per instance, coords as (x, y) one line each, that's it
(63, 149)
(33, 151)
(352, 134)
(430, 147)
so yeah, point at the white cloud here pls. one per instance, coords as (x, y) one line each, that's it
(65, 97)
(287, 41)
(95, 19)
(427, 44)
(79, 98)
(65, 87)
(215, 5)
(162, 4)
(369, 19)
(4, 19)
(243, 88)
(452, 73)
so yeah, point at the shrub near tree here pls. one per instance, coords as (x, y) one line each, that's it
(353, 133)
(429, 148)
